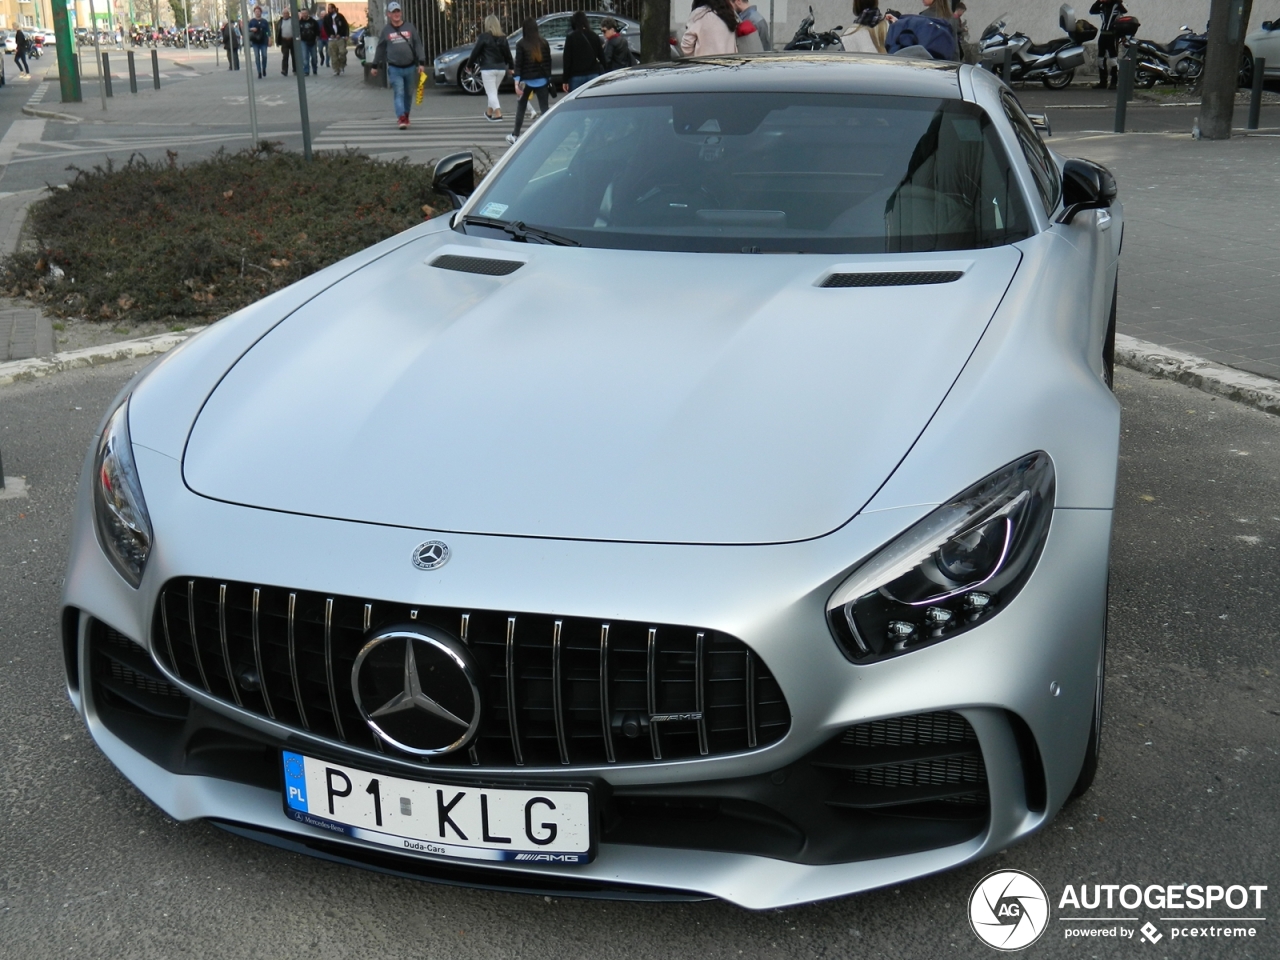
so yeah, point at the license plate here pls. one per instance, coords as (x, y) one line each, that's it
(446, 820)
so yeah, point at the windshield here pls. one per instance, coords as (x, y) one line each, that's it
(760, 172)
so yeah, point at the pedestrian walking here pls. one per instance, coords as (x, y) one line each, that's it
(492, 57)
(335, 24)
(533, 73)
(401, 53)
(20, 53)
(583, 54)
(1108, 42)
(618, 54)
(309, 34)
(748, 12)
(322, 45)
(869, 28)
(259, 36)
(284, 40)
(712, 29)
(231, 44)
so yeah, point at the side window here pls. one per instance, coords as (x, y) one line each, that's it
(554, 29)
(1043, 169)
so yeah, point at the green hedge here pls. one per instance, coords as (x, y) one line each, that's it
(160, 241)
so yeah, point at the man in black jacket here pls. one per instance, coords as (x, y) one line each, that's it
(1108, 47)
(338, 30)
(583, 54)
(308, 33)
(617, 51)
(284, 40)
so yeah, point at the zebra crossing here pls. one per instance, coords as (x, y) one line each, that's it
(437, 135)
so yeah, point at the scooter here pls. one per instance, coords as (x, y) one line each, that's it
(1053, 64)
(806, 39)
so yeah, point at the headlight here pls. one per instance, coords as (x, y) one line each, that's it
(447, 58)
(950, 572)
(119, 511)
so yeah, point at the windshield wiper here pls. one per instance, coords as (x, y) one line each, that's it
(519, 230)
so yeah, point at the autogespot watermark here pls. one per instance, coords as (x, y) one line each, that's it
(1010, 910)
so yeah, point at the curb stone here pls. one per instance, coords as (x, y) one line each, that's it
(49, 114)
(18, 370)
(1261, 393)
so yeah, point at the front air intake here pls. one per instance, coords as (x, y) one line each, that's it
(892, 279)
(485, 266)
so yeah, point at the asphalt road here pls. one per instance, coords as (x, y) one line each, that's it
(1187, 791)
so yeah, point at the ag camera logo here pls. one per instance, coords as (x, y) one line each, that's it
(1009, 910)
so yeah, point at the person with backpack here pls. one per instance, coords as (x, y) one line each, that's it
(335, 24)
(231, 43)
(401, 53)
(492, 57)
(931, 37)
(617, 53)
(309, 34)
(1108, 41)
(259, 34)
(583, 54)
(749, 13)
(284, 40)
(533, 73)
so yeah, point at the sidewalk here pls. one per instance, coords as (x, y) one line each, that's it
(1201, 265)
(25, 331)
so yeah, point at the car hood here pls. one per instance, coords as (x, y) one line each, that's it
(594, 394)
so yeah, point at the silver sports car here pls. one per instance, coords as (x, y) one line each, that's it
(717, 504)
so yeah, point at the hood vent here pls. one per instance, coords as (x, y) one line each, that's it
(486, 266)
(899, 279)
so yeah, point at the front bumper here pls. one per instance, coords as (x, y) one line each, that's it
(998, 677)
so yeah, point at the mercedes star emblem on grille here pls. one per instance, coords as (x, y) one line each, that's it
(417, 690)
(431, 555)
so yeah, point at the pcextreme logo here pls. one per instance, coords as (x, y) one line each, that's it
(1009, 910)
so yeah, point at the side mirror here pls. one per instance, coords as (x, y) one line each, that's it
(1041, 123)
(1268, 25)
(1085, 186)
(455, 177)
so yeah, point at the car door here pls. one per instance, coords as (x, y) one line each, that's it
(1090, 234)
(1267, 44)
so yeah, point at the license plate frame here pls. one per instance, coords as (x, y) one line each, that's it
(556, 825)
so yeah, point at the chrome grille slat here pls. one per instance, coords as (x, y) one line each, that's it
(651, 691)
(606, 726)
(557, 697)
(328, 666)
(195, 638)
(257, 653)
(168, 637)
(293, 662)
(511, 692)
(226, 648)
(557, 691)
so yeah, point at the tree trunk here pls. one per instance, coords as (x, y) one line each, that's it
(655, 30)
(1228, 20)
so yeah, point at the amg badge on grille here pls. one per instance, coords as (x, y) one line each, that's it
(417, 689)
(431, 555)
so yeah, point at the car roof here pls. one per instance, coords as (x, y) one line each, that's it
(800, 72)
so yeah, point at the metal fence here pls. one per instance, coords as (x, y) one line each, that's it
(449, 23)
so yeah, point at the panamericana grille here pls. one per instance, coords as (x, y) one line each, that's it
(900, 278)
(557, 690)
(908, 765)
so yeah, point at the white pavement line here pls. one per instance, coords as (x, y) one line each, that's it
(1261, 393)
(20, 131)
(41, 90)
(37, 367)
(15, 488)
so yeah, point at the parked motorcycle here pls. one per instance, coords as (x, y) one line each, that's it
(806, 39)
(1181, 60)
(1053, 64)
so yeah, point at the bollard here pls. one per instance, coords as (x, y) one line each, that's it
(1124, 91)
(155, 68)
(1007, 65)
(1255, 101)
(133, 75)
(106, 73)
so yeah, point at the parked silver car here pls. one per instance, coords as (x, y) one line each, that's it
(718, 504)
(450, 67)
